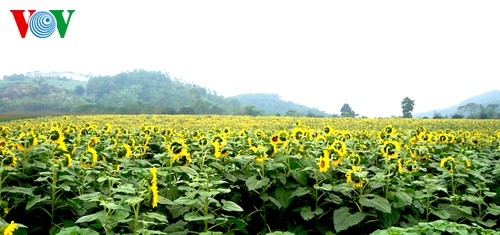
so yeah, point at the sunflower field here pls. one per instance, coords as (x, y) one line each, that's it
(163, 174)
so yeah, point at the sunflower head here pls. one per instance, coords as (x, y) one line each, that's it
(389, 130)
(297, 133)
(283, 136)
(260, 153)
(448, 163)
(275, 139)
(356, 176)
(9, 160)
(328, 130)
(391, 149)
(339, 147)
(324, 161)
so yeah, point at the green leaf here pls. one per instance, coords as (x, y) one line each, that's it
(465, 209)
(280, 233)
(443, 214)
(193, 216)
(65, 187)
(300, 191)
(189, 171)
(266, 197)
(156, 216)
(230, 206)
(489, 223)
(111, 205)
(402, 199)
(493, 209)
(185, 201)
(35, 200)
(306, 213)
(253, 183)
(300, 176)
(377, 202)
(324, 187)
(283, 196)
(75, 230)
(124, 188)
(90, 218)
(15, 189)
(90, 197)
(342, 219)
(389, 219)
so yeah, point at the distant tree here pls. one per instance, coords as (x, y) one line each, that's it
(491, 111)
(407, 106)
(346, 111)
(291, 113)
(437, 115)
(251, 110)
(457, 116)
(79, 90)
(310, 114)
(186, 110)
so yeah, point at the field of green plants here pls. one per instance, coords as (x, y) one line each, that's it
(161, 174)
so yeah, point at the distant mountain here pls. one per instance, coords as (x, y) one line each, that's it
(491, 97)
(132, 92)
(272, 104)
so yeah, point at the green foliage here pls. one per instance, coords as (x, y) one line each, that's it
(437, 227)
(346, 111)
(407, 107)
(133, 92)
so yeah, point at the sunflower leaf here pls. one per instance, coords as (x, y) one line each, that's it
(377, 202)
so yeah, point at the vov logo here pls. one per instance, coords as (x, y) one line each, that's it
(42, 24)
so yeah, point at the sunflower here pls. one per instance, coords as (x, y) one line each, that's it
(283, 136)
(389, 130)
(184, 160)
(275, 139)
(324, 161)
(297, 133)
(411, 165)
(400, 166)
(9, 159)
(93, 152)
(298, 123)
(391, 149)
(260, 153)
(339, 147)
(259, 134)
(56, 136)
(468, 164)
(219, 149)
(177, 148)
(125, 151)
(10, 228)
(154, 187)
(448, 164)
(442, 138)
(328, 130)
(92, 142)
(421, 153)
(354, 176)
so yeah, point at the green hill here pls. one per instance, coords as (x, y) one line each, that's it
(272, 104)
(485, 105)
(132, 92)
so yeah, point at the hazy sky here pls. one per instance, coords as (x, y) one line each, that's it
(369, 54)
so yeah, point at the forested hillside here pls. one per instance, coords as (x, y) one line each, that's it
(133, 92)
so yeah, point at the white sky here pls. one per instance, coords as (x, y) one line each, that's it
(369, 54)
